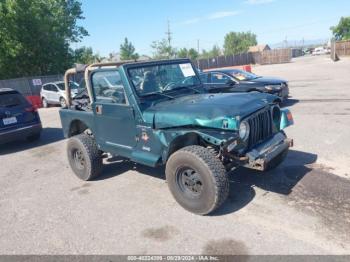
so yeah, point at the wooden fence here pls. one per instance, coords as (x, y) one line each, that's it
(274, 56)
(342, 48)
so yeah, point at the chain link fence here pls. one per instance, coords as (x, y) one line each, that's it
(29, 86)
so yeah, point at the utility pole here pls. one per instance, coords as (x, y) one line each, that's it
(169, 33)
(198, 46)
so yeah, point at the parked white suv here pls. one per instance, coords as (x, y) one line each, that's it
(55, 94)
(321, 51)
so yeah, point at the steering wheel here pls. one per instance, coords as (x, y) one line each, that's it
(138, 84)
(168, 86)
(186, 79)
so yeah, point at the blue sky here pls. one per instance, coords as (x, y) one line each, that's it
(143, 21)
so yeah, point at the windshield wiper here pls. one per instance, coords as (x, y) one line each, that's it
(187, 87)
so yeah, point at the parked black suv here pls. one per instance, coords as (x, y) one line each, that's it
(18, 118)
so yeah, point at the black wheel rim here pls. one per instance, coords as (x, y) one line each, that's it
(79, 159)
(63, 103)
(189, 181)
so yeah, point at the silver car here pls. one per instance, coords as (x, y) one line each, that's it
(54, 93)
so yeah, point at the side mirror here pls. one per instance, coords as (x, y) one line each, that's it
(230, 82)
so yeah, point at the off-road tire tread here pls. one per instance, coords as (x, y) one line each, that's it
(94, 168)
(217, 169)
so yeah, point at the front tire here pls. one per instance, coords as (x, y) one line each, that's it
(197, 179)
(84, 157)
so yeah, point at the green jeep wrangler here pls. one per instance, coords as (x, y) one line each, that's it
(158, 113)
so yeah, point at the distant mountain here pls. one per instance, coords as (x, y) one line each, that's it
(299, 43)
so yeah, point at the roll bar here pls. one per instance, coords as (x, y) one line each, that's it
(86, 69)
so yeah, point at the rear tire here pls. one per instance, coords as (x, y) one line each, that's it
(84, 157)
(197, 179)
(63, 102)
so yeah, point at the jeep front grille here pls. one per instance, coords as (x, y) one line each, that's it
(260, 127)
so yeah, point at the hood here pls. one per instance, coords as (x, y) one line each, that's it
(206, 110)
(266, 81)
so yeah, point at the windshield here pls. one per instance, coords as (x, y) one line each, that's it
(161, 78)
(73, 85)
(11, 100)
(242, 75)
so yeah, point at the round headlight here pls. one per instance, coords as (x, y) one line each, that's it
(244, 130)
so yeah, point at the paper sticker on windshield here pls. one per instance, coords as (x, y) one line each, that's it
(240, 77)
(187, 70)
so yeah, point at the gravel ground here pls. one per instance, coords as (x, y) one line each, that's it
(302, 207)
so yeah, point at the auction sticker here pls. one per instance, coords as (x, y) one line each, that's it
(187, 70)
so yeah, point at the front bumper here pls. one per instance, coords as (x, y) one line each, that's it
(282, 93)
(262, 156)
(19, 133)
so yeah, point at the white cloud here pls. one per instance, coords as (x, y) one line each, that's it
(258, 2)
(218, 15)
(212, 16)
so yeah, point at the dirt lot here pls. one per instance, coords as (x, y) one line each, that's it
(302, 207)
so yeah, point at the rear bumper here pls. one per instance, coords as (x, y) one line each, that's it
(265, 154)
(19, 133)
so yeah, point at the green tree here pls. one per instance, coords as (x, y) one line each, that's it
(342, 30)
(193, 54)
(85, 55)
(127, 51)
(214, 52)
(204, 54)
(238, 42)
(182, 53)
(35, 36)
(162, 49)
(188, 53)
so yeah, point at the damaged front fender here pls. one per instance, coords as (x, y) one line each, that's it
(177, 138)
